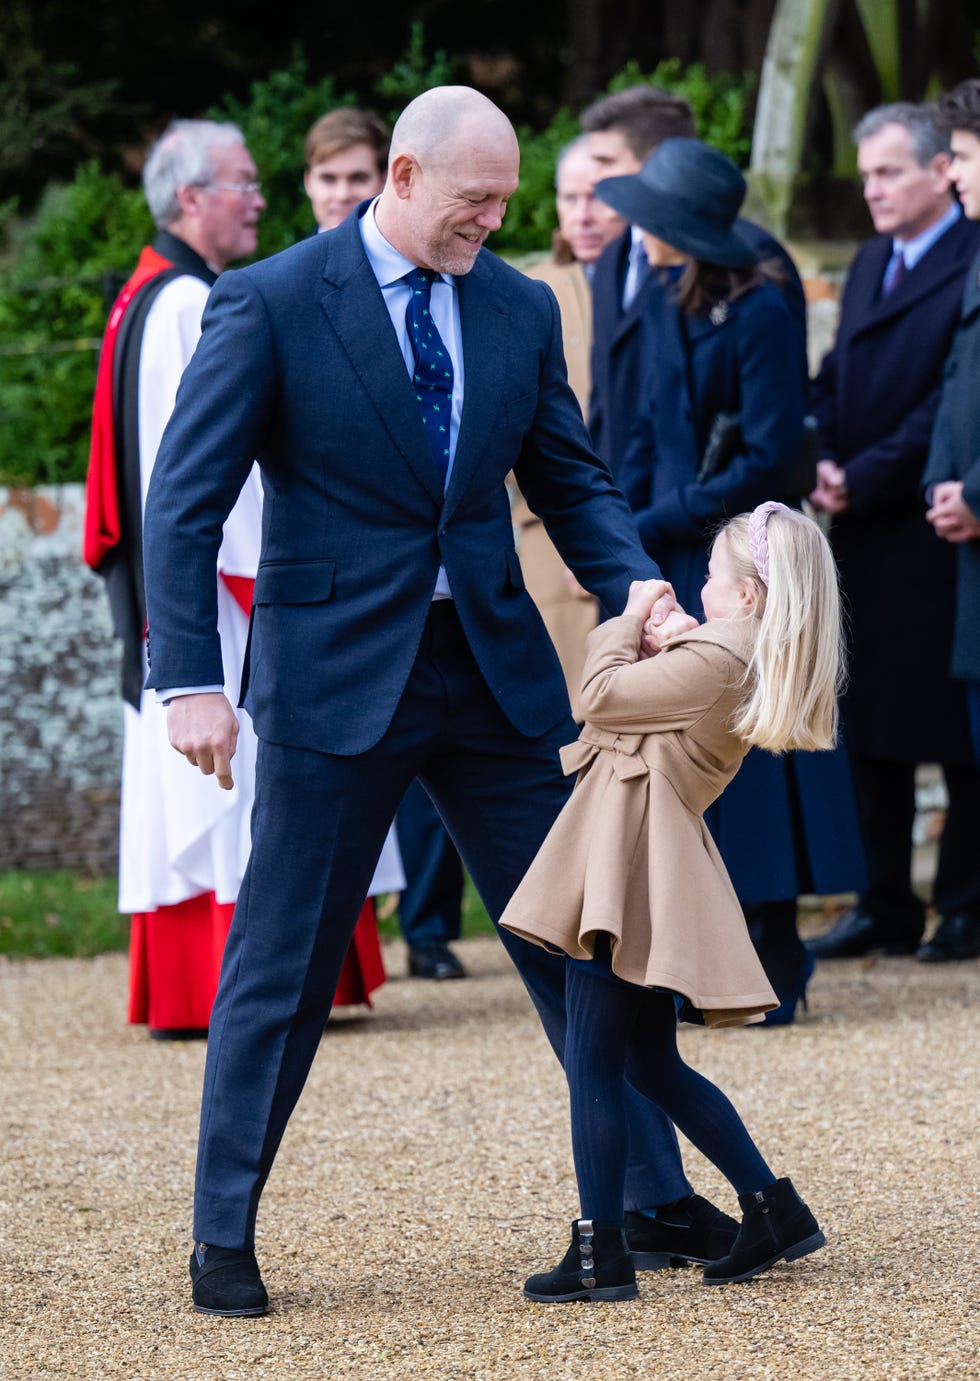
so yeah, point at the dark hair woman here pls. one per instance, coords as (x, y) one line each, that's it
(721, 428)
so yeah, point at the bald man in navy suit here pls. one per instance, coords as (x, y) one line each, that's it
(392, 636)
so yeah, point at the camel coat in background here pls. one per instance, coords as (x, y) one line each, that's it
(568, 616)
(630, 853)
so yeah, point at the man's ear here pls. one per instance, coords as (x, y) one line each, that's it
(402, 174)
(191, 199)
(940, 165)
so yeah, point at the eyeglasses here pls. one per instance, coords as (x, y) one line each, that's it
(245, 189)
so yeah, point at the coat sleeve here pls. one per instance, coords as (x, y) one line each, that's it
(218, 427)
(571, 490)
(823, 403)
(771, 403)
(670, 691)
(891, 469)
(940, 464)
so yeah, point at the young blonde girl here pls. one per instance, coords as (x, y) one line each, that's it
(630, 886)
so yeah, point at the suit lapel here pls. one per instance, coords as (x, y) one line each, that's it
(942, 261)
(354, 306)
(484, 321)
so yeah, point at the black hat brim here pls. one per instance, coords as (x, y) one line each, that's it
(663, 217)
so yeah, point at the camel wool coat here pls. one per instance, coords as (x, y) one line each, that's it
(630, 853)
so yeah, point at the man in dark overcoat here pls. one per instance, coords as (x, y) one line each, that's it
(876, 398)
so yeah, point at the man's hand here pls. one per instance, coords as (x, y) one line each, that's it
(204, 728)
(676, 622)
(574, 587)
(830, 495)
(654, 601)
(647, 595)
(951, 517)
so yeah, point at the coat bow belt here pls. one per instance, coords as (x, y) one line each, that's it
(624, 748)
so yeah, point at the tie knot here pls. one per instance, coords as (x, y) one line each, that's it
(421, 280)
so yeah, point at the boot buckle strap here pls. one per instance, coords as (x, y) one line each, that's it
(586, 1247)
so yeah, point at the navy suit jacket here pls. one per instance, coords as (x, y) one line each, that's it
(299, 367)
(620, 347)
(742, 362)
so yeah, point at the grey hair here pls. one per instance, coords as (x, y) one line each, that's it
(183, 157)
(927, 138)
(580, 141)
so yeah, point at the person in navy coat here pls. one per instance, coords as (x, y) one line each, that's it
(726, 344)
(876, 398)
(387, 375)
(623, 130)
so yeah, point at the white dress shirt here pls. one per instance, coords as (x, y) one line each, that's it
(390, 268)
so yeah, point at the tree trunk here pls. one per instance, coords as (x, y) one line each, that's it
(797, 40)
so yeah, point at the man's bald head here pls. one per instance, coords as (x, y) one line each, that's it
(453, 165)
(447, 122)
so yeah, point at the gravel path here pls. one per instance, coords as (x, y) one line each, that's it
(427, 1171)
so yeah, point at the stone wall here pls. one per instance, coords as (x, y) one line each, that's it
(60, 708)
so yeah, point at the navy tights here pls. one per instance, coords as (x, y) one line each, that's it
(616, 1028)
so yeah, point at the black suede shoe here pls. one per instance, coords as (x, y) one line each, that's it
(776, 1226)
(596, 1266)
(857, 933)
(689, 1232)
(434, 960)
(227, 1282)
(958, 937)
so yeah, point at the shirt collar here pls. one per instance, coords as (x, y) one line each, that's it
(913, 250)
(389, 265)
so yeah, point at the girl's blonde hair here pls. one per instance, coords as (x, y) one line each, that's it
(797, 668)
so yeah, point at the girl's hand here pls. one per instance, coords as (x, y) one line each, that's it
(644, 594)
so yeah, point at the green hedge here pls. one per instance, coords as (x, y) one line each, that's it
(65, 266)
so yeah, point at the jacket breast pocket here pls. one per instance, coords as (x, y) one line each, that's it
(294, 582)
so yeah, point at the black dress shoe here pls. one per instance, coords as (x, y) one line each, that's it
(178, 1033)
(857, 933)
(434, 960)
(689, 1232)
(227, 1282)
(958, 937)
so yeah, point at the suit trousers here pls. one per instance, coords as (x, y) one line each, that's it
(886, 802)
(318, 826)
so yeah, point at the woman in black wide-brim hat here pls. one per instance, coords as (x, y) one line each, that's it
(721, 429)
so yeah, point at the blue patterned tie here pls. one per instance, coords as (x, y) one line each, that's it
(433, 376)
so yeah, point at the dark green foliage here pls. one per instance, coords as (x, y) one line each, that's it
(53, 306)
(93, 226)
(274, 120)
(412, 74)
(720, 103)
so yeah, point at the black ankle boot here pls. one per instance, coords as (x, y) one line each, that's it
(776, 1226)
(597, 1265)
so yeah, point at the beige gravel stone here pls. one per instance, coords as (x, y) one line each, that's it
(427, 1171)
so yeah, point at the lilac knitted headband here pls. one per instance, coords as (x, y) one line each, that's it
(758, 545)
